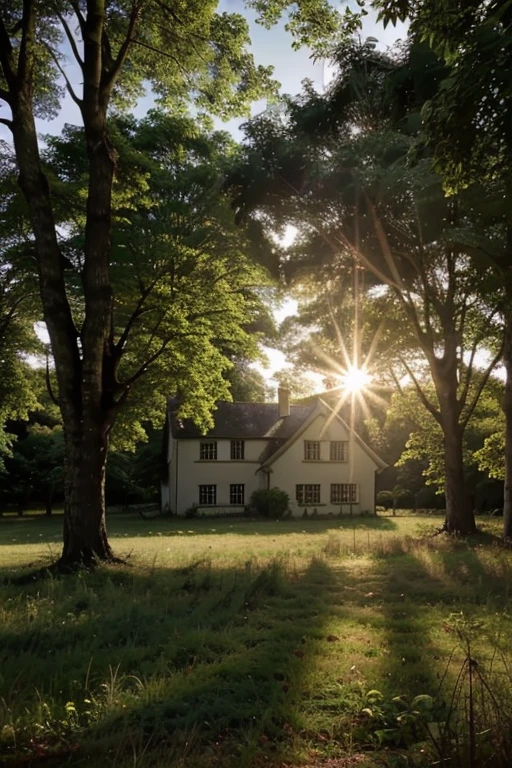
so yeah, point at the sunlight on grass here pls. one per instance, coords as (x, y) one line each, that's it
(236, 643)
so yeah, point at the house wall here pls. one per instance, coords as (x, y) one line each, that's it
(291, 469)
(187, 472)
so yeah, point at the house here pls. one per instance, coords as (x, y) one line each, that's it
(308, 451)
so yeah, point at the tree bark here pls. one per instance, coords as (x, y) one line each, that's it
(85, 532)
(507, 409)
(460, 517)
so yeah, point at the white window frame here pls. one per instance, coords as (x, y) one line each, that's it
(208, 495)
(308, 493)
(338, 450)
(237, 494)
(208, 450)
(311, 450)
(237, 450)
(344, 493)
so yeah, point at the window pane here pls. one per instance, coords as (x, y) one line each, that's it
(208, 450)
(236, 493)
(207, 494)
(311, 450)
(237, 449)
(307, 494)
(343, 493)
(339, 450)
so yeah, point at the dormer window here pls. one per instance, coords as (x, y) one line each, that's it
(311, 450)
(208, 450)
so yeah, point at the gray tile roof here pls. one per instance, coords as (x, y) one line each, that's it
(245, 421)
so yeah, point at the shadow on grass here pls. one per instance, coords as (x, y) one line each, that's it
(41, 530)
(197, 663)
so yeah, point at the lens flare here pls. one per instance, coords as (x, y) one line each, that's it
(355, 379)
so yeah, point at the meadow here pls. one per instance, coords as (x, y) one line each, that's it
(257, 643)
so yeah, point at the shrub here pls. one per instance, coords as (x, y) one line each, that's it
(385, 499)
(271, 502)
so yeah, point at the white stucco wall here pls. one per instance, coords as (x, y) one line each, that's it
(187, 472)
(291, 469)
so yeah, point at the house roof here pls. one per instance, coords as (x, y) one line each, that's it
(261, 420)
(243, 421)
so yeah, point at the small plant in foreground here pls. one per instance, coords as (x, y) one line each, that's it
(477, 730)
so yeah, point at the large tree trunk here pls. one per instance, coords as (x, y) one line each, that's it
(507, 408)
(460, 517)
(85, 369)
(85, 533)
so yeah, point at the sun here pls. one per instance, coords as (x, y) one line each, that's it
(355, 379)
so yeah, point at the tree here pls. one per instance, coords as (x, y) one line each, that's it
(189, 53)
(338, 170)
(18, 306)
(468, 126)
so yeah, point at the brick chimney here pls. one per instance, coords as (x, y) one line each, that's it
(283, 398)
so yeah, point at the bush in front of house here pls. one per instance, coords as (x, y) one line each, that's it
(269, 502)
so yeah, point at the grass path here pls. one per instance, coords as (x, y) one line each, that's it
(236, 644)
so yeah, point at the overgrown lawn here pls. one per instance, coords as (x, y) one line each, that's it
(242, 643)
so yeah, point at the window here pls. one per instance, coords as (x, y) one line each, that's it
(343, 493)
(208, 450)
(339, 450)
(311, 450)
(207, 494)
(307, 494)
(236, 493)
(237, 449)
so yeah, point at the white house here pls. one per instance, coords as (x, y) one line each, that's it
(308, 451)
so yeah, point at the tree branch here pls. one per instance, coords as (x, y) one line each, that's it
(72, 41)
(483, 382)
(26, 57)
(5, 121)
(469, 368)
(112, 75)
(137, 312)
(69, 87)
(6, 57)
(424, 399)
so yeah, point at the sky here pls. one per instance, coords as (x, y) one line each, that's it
(291, 67)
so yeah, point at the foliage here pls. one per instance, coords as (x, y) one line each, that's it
(269, 502)
(337, 167)
(190, 55)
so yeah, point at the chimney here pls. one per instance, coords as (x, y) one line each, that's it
(283, 398)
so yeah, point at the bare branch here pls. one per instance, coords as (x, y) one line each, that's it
(79, 15)
(424, 399)
(7, 122)
(71, 40)
(483, 382)
(137, 312)
(69, 87)
(474, 347)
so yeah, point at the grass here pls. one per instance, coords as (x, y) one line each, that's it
(240, 643)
